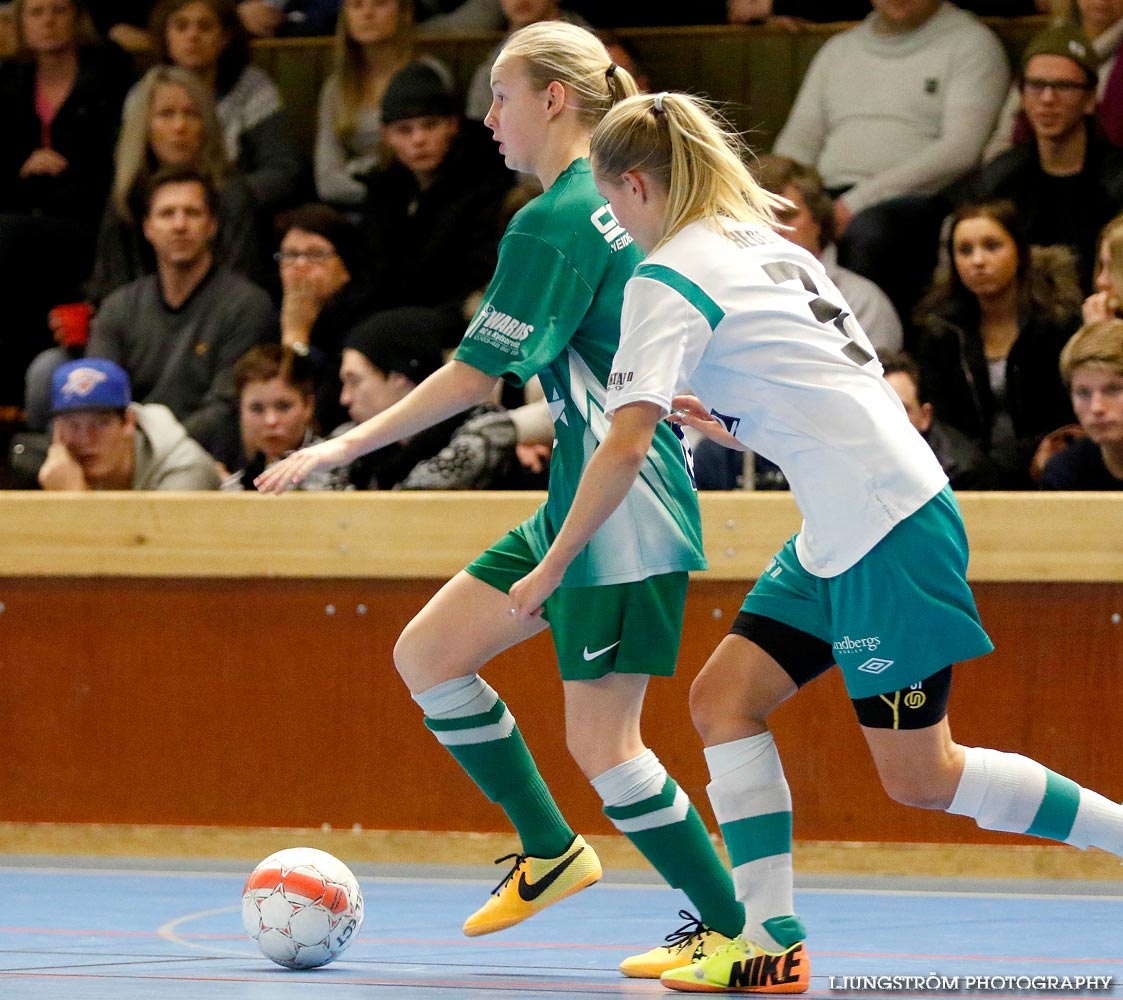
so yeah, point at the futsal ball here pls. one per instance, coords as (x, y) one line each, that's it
(303, 907)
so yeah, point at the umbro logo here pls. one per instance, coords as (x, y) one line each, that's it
(876, 665)
(600, 652)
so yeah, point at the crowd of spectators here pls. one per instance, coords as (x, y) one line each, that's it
(187, 279)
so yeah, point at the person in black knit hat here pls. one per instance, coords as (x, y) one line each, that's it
(432, 214)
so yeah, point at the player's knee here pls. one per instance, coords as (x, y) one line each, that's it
(920, 788)
(592, 758)
(408, 655)
(711, 708)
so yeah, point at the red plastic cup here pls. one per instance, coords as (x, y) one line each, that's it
(71, 323)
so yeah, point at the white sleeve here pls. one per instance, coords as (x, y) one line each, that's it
(661, 336)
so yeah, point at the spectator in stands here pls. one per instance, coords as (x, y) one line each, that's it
(517, 14)
(60, 104)
(206, 37)
(891, 112)
(1092, 369)
(1105, 302)
(104, 441)
(1102, 21)
(324, 294)
(1068, 182)
(432, 214)
(286, 18)
(811, 225)
(276, 405)
(964, 462)
(169, 122)
(992, 329)
(179, 331)
(373, 39)
(383, 361)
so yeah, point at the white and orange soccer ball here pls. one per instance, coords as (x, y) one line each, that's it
(303, 907)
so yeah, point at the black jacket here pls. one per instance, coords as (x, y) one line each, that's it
(84, 131)
(1079, 467)
(950, 352)
(435, 247)
(1095, 197)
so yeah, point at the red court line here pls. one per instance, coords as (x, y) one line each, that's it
(565, 946)
(505, 985)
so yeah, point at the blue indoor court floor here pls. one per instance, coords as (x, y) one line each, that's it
(74, 931)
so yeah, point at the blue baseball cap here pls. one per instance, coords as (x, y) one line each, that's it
(89, 384)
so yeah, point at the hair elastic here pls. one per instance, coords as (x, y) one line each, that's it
(611, 71)
(657, 106)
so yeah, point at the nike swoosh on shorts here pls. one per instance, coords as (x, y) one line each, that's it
(600, 652)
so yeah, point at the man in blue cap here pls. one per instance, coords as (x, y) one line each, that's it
(104, 441)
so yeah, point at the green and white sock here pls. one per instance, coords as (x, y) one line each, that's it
(473, 724)
(753, 806)
(646, 805)
(1011, 793)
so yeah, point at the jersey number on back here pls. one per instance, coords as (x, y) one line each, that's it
(825, 312)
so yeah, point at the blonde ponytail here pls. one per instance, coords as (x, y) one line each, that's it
(690, 151)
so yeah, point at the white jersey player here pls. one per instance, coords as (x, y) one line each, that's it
(875, 580)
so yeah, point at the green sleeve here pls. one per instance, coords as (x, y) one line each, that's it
(533, 306)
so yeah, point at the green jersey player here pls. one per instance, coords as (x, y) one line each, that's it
(553, 310)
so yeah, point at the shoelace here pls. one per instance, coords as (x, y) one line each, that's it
(519, 859)
(692, 929)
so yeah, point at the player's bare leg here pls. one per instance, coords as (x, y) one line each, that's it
(1000, 791)
(439, 655)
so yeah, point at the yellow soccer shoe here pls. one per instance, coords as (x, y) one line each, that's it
(743, 967)
(532, 885)
(692, 942)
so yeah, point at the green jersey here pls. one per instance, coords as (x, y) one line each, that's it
(553, 310)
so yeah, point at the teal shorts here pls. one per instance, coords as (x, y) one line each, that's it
(901, 613)
(623, 628)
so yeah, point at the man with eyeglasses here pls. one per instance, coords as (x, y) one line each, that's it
(178, 332)
(1067, 181)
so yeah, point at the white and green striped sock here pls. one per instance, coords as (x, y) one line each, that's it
(753, 806)
(473, 724)
(1011, 793)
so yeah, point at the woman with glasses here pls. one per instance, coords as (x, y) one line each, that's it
(324, 294)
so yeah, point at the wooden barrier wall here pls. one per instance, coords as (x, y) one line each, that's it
(226, 660)
(755, 71)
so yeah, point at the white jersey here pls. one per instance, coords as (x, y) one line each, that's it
(752, 325)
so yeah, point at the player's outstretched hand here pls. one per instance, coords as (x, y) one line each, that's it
(689, 411)
(530, 593)
(291, 471)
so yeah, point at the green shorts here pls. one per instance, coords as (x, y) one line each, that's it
(623, 628)
(901, 613)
